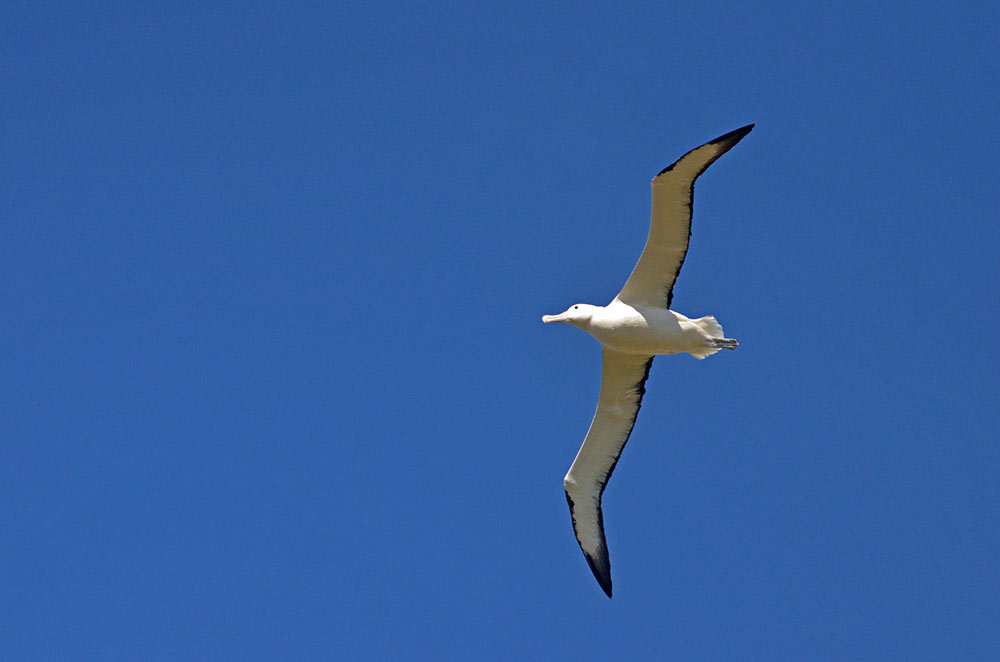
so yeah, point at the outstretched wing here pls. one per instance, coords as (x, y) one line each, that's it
(652, 279)
(623, 380)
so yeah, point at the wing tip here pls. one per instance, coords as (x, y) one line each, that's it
(726, 141)
(600, 561)
(733, 137)
(601, 567)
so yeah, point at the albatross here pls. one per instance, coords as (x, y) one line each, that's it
(635, 327)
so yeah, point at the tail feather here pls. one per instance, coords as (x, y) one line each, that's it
(717, 340)
(710, 326)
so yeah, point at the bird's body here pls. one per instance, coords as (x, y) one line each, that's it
(636, 326)
(649, 331)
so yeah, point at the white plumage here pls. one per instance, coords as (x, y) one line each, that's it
(636, 326)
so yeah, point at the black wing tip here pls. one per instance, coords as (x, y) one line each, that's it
(733, 137)
(601, 567)
(727, 140)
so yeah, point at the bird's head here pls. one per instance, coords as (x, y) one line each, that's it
(578, 314)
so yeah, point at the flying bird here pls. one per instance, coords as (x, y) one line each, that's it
(635, 327)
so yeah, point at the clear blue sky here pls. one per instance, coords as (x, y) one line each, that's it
(274, 383)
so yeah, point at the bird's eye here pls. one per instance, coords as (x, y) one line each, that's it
(575, 307)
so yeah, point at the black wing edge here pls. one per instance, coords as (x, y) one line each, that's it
(601, 564)
(727, 140)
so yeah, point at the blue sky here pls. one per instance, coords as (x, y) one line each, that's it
(275, 384)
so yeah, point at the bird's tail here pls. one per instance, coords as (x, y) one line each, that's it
(716, 338)
(710, 326)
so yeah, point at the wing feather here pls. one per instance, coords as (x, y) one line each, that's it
(623, 379)
(652, 280)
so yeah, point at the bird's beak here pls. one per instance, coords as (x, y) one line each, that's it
(554, 318)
